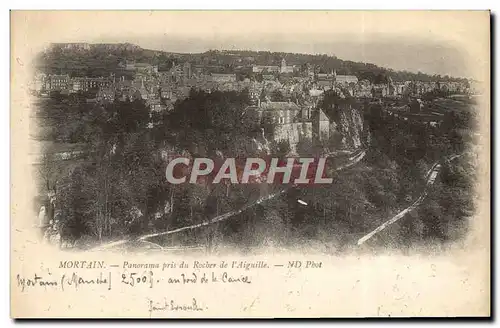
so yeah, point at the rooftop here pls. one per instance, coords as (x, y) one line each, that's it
(279, 105)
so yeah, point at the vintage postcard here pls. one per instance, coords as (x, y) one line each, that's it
(250, 164)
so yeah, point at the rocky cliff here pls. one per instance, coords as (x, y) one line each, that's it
(347, 123)
(351, 128)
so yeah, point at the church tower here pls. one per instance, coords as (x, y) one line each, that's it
(334, 78)
(390, 87)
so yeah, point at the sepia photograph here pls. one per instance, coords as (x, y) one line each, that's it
(279, 161)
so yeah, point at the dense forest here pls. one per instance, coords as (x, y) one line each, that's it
(118, 188)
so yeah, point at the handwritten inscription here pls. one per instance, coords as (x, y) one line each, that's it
(173, 306)
(148, 279)
(72, 280)
(35, 281)
(76, 281)
(134, 278)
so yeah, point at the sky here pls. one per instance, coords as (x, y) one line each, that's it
(454, 43)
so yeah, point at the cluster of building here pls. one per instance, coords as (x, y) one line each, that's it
(292, 122)
(299, 89)
(43, 84)
(165, 87)
(283, 68)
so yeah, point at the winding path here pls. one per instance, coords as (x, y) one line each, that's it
(431, 178)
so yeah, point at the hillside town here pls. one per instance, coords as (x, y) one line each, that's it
(110, 118)
(301, 85)
(286, 95)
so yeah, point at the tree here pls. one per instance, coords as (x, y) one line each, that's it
(280, 148)
(277, 95)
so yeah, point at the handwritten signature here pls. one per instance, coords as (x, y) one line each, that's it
(171, 305)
